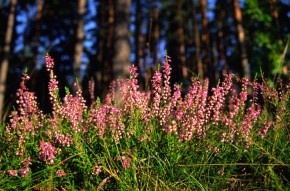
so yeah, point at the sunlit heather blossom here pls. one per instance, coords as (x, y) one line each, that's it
(92, 91)
(221, 172)
(263, 131)
(46, 152)
(12, 172)
(217, 100)
(156, 91)
(26, 162)
(27, 119)
(60, 173)
(166, 93)
(63, 139)
(132, 97)
(250, 117)
(126, 162)
(49, 63)
(111, 96)
(73, 108)
(96, 170)
(24, 172)
(98, 118)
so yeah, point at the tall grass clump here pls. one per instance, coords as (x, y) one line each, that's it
(208, 139)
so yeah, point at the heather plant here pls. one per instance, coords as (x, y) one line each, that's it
(207, 139)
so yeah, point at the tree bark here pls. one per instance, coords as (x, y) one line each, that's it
(38, 16)
(205, 40)
(79, 39)
(275, 15)
(241, 39)
(5, 62)
(121, 60)
(181, 39)
(197, 43)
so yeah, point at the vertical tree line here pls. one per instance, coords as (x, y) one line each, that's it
(101, 38)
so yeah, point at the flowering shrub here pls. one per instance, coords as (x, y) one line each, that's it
(141, 140)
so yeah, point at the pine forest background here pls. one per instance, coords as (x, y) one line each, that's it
(99, 39)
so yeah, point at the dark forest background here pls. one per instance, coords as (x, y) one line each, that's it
(99, 39)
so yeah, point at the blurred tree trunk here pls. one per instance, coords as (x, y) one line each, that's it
(241, 39)
(275, 15)
(79, 39)
(38, 16)
(156, 34)
(181, 39)
(196, 42)
(98, 67)
(6, 51)
(121, 60)
(140, 42)
(108, 52)
(221, 45)
(205, 41)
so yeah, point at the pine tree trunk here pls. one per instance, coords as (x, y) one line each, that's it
(275, 15)
(79, 39)
(5, 62)
(241, 39)
(205, 38)
(181, 39)
(36, 42)
(197, 43)
(121, 60)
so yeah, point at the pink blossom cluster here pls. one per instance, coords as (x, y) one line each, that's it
(46, 152)
(73, 109)
(27, 119)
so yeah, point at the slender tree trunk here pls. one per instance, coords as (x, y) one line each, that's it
(36, 41)
(139, 42)
(221, 46)
(197, 43)
(98, 67)
(275, 15)
(205, 40)
(155, 36)
(241, 38)
(108, 51)
(121, 60)
(5, 62)
(181, 39)
(79, 39)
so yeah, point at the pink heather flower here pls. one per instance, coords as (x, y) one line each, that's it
(156, 91)
(46, 152)
(98, 116)
(167, 71)
(26, 162)
(27, 119)
(249, 118)
(126, 162)
(220, 172)
(92, 90)
(262, 132)
(73, 108)
(49, 63)
(60, 173)
(24, 172)
(12, 172)
(111, 96)
(96, 170)
(63, 139)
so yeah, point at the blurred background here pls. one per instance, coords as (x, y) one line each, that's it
(99, 39)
